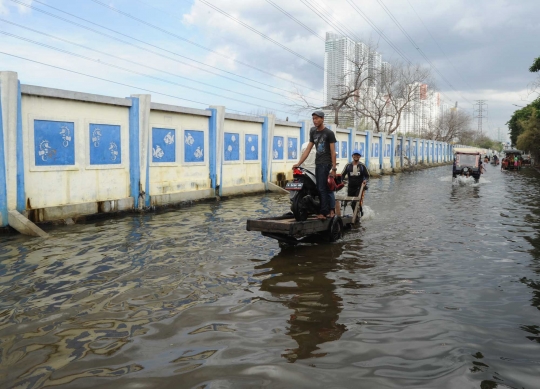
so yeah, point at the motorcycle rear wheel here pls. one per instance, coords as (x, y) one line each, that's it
(299, 209)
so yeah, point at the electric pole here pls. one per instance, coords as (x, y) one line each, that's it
(480, 111)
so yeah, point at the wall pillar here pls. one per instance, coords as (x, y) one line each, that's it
(417, 150)
(218, 134)
(382, 137)
(141, 189)
(304, 136)
(352, 136)
(368, 148)
(269, 125)
(12, 192)
(393, 152)
(401, 150)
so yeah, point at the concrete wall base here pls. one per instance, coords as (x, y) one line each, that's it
(175, 198)
(25, 226)
(74, 211)
(243, 189)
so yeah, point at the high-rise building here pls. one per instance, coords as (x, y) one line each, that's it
(339, 65)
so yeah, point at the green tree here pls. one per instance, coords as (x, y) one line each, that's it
(520, 116)
(529, 139)
(535, 67)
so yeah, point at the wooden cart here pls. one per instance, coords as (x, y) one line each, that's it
(286, 229)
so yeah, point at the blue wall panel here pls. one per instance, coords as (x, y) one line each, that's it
(292, 149)
(193, 146)
(252, 147)
(163, 145)
(361, 148)
(277, 148)
(231, 146)
(54, 143)
(344, 149)
(105, 144)
(3, 184)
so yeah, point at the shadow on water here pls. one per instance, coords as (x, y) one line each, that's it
(300, 280)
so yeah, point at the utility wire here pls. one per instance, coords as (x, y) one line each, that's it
(151, 45)
(203, 47)
(324, 18)
(295, 19)
(133, 62)
(323, 10)
(104, 79)
(254, 31)
(133, 71)
(434, 40)
(381, 34)
(417, 47)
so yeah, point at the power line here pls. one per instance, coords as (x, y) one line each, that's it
(254, 31)
(434, 40)
(133, 71)
(328, 21)
(416, 46)
(104, 79)
(203, 47)
(130, 61)
(295, 19)
(381, 34)
(151, 45)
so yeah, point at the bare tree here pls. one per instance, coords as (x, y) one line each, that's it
(375, 95)
(450, 127)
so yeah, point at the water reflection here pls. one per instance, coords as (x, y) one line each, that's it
(301, 281)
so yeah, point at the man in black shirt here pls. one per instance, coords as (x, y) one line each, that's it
(325, 160)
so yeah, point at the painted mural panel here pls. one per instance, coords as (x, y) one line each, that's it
(356, 145)
(398, 150)
(193, 146)
(163, 145)
(293, 148)
(361, 148)
(388, 152)
(343, 149)
(54, 143)
(376, 149)
(105, 144)
(232, 146)
(252, 147)
(407, 150)
(277, 147)
(336, 146)
(414, 150)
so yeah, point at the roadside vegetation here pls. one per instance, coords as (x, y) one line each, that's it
(524, 124)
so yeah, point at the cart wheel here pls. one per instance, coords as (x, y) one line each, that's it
(336, 229)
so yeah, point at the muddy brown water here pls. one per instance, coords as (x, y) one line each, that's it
(438, 288)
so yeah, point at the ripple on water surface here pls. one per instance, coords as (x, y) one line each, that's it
(438, 287)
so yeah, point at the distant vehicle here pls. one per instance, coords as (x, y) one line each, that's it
(512, 160)
(467, 163)
(495, 160)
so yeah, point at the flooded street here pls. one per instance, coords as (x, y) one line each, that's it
(438, 288)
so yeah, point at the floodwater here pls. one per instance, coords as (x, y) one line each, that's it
(438, 288)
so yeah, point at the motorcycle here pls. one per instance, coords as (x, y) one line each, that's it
(304, 195)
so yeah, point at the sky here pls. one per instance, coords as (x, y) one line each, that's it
(253, 56)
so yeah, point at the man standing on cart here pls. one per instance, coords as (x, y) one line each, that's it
(324, 140)
(357, 174)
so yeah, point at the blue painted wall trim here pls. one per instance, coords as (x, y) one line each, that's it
(147, 186)
(134, 165)
(367, 150)
(212, 145)
(381, 150)
(401, 150)
(264, 153)
(417, 150)
(302, 135)
(393, 152)
(351, 143)
(3, 183)
(21, 194)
